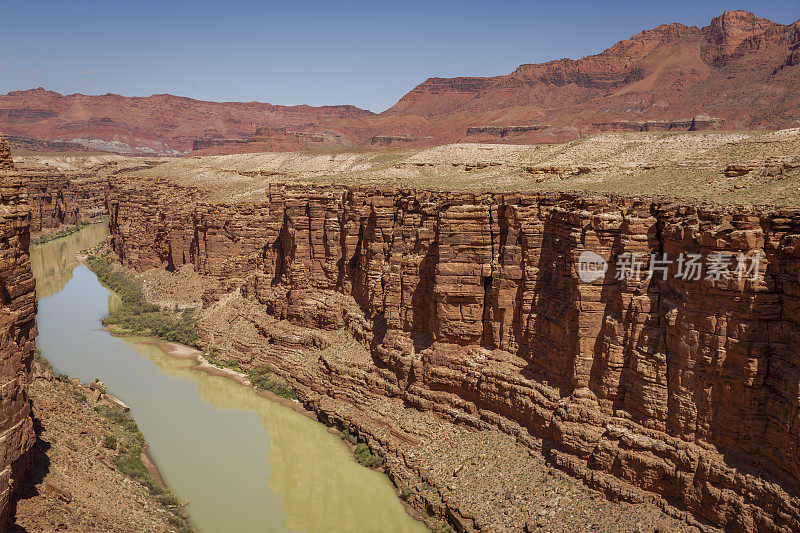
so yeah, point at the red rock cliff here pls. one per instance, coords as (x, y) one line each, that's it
(58, 199)
(17, 331)
(684, 392)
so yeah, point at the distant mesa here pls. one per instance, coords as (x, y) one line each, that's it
(271, 139)
(502, 131)
(388, 140)
(697, 123)
(160, 124)
(740, 71)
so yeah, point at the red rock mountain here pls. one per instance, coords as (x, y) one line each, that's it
(739, 72)
(160, 123)
(741, 69)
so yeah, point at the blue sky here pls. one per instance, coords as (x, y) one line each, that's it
(363, 53)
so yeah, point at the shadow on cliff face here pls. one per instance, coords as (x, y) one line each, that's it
(277, 250)
(37, 468)
(549, 334)
(611, 296)
(422, 302)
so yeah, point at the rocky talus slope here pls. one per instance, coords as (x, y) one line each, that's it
(73, 483)
(470, 306)
(17, 331)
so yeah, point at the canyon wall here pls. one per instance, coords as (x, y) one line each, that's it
(58, 198)
(6, 162)
(682, 392)
(17, 331)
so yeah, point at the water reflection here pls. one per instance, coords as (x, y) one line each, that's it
(53, 262)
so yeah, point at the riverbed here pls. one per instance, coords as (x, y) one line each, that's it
(244, 462)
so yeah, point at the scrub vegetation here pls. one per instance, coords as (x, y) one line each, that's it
(212, 356)
(65, 231)
(366, 457)
(262, 378)
(138, 317)
(129, 443)
(44, 363)
(361, 451)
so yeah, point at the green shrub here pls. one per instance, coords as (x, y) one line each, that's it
(349, 437)
(80, 397)
(179, 523)
(259, 376)
(262, 378)
(129, 462)
(63, 232)
(125, 421)
(42, 360)
(138, 317)
(110, 442)
(167, 499)
(366, 457)
(130, 444)
(436, 525)
(212, 356)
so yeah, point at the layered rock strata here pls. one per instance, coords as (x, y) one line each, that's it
(502, 131)
(697, 123)
(680, 392)
(17, 331)
(58, 199)
(268, 139)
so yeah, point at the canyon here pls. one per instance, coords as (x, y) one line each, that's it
(417, 277)
(56, 470)
(740, 72)
(471, 307)
(379, 302)
(448, 325)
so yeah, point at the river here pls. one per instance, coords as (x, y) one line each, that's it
(245, 463)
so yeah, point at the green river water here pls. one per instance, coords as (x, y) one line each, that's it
(245, 463)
